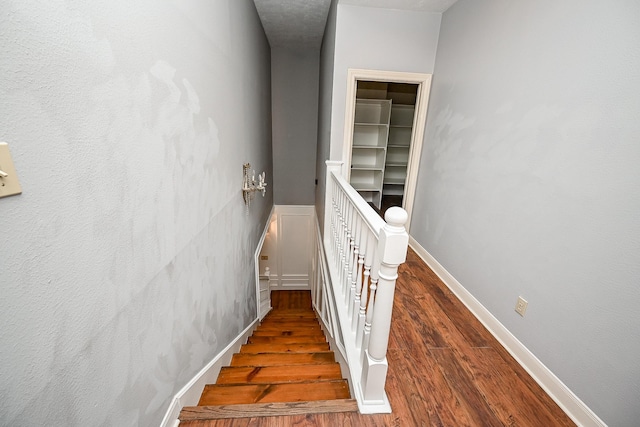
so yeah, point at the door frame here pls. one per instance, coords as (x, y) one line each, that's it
(417, 131)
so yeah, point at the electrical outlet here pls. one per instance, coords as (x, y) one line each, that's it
(521, 306)
(9, 184)
(264, 257)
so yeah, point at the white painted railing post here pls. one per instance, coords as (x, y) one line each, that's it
(392, 251)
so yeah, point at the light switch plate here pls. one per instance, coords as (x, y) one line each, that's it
(9, 185)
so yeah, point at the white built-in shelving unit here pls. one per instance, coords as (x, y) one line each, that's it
(398, 145)
(369, 148)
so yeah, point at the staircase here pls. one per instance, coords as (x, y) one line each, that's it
(286, 368)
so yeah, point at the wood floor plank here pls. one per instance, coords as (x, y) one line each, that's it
(281, 321)
(492, 375)
(279, 359)
(291, 300)
(232, 394)
(283, 373)
(285, 348)
(286, 339)
(461, 383)
(439, 399)
(288, 333)
(305, 313)
(468, 325)
(268, 409)
(293, 326)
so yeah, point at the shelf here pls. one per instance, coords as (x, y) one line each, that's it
(374, 197)
(366, 179)
(367, 158)
(395, 175)
(397, 156)
(370, 136)
(372, 111)
(393, 190)
(402, 115)
(400, 136)
(394, 181)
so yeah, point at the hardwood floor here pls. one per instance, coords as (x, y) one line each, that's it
(445, 369)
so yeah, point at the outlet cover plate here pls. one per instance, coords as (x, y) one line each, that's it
(521, 306)
(9, 185)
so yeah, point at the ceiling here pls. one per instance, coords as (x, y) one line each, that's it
(299, 24)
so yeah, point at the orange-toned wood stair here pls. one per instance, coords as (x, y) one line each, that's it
(285, 368)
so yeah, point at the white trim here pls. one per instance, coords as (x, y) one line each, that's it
(417, 134)
(189, 395)
(571, 404)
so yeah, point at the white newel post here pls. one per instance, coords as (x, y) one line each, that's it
(392, 250)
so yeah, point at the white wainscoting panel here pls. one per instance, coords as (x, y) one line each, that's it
(294, 246)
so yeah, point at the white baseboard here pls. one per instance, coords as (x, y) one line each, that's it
(189, 395)
(556, 389)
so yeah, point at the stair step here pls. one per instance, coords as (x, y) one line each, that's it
(312, 330)
(284, 373)
(233, 394)
(192, 413)
(278, 319)
(291, 313)
(284, 348)
(288, 333)
(284, 323)
(279, 359)
(287, 339)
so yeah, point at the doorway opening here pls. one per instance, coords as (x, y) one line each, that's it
(384, 128)
(401, 100)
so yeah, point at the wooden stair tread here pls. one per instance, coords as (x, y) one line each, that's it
(289, 327)
(286, 339)
(283, 373)
(288, 314)
(192, 413)
(288, 333)
(284, 348)
(284, 324)
(232, 394)
(279, 359)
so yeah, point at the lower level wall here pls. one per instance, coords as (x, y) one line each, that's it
(287, 249)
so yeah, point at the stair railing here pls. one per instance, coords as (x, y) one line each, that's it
(363, 253)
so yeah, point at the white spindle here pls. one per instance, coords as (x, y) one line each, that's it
(359, 261)
(369, 240)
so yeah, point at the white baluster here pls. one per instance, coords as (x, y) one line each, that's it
(373, 278)
(348, 254)
(360, 289)
(355, 292)
(369, 251)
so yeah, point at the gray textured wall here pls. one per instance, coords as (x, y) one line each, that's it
(365, 38)
(327, 53)
(378, 39)
(529, 182)
(294, 77)
(125, 265)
